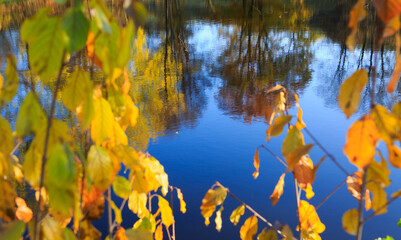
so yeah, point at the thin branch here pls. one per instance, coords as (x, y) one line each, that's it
(109, 216)
(272, 153)
(379, 209)
(44, 158)
(251, 209)
(360, 208)
(326, 152)
(331, 193)
(298, 196)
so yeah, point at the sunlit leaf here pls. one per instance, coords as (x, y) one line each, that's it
(100, 167)
(76, 25)
(117, 212)
(267, 234)
(23, 212)
(304, 172)
(392, 27)
(293, 140)
(309, 221)
(159, 233)
(350, 221)
(147, 223)
(362, 137)
(77, 89)
(295, 156)
(394, 156)
(138, 234)
(137, 204)
(103, 121)
(379, 197)
(278, 190)
(121, 187)
(387, 9)
(379, 172)
(6, 137)
(167, 213)
(357, 14)
(277, 127)
(249, 228)
(350, 92)
(236, 214)
(183, 205)
(207, 213)
(275, 88)
(300, 123)
(218, 220)
(395, 76)
(386, 123)
(286, 230)
(256, 163)
(88, 231)
(31, 117)
(214, 197)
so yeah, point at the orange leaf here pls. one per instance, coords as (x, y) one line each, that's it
(159, 233)
(249, 228)
(387, 9)
(90, 46)
(183, 205)
(362, 137)
(310, 223)
(395, 76)
(304, 173)
(23, 211)
(120, 234)
(357, 14)
(295, 156)
(256, 163)
(354, 188)
(392, 27)
(278, 190)
(394, 155)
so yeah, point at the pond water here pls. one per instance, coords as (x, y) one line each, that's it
(205, 123)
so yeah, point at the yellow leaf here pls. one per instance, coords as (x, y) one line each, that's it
(350, 92)
(360, 146)
(100, 167)
(309, 191)
(379, 197)
(350, 221)
(167, 213)
(256, 162)
(295, 156)
(249, 228)
(117, 136)
(277, 127)
(137, 204)
(386, 123)
(159, 233)
(387, 9)
(121, 187)
(278, 190)
(395, 76)
(293, 140)
(267, 234)
(117, 212)
(214, 197)
(218, 220)
(300, 123)
(236, 214)
(120, 234)
(102, 122)
(357, 14)
(183, 205)
(275, 88)
(286, 230)
(207, 213)
(379, 171)
(6, 137)
(309, 220)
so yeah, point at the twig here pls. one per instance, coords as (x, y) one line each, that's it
(109, 216)
(298, 195)
(379, 209)
(49, 122)
(331, 193)
(277, 157)
(326, 152)
(251, 209)
(360, 208)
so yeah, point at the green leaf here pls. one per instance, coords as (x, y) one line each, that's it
(236, 214)
(146, 223)
(100, 167)
(78, 88)
(60, 1)
(138, 234)
(76, 25)
(46, 40)
(277, 127)
(399, 223)
(6, 137)
(121, 187)
(12, 231)
(350, 92)
(167, 213)
(10, 88)
(102, 122)
(69, 234)
(292, 141)
(60, 166)
(124, 44)
(31, 117)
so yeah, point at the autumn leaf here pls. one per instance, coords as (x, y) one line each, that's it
(350, 221)
(77, 89)
(256, 162)
(292, 141)
(379, 197)
(214, 197)
(300, 123)
(8, 91)
(357, 14)
(102, 122)
(23, 211)
(267, 234)
(137, 204)
(394, 155)
(159, 233)
(121, 187)
(249, 228)
(350, 92)
(100, 167)
(392, 27)
(309, 221)
(395, 76)
(295, 156)
(31, 117)
(167, 213)
(277, 127)
(183, 205)
(386, 123)
(362, 137)
(304, 172)
(387, 9)
(218, 220)
(278, 190)
(236, 214)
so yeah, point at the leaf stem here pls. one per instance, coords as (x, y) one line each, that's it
(360, 208)
(44, 158)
